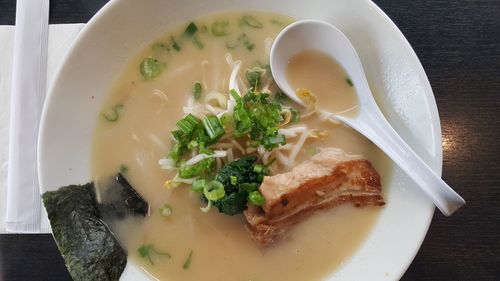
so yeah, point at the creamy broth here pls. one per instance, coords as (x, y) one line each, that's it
(221, 247)
(325, 78)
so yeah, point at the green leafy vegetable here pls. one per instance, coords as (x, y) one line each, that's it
(147, 250)
(349, 82)
(150, 68)
(233, 204)
(187, 262)
(113, 114)
(243, 38)
(251, 21)
(220, 28)
(239, 178)
(89, 248)
(197, 90)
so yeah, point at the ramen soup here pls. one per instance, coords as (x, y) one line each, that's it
(196, 77)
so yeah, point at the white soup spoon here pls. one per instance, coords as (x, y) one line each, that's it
(320, 36)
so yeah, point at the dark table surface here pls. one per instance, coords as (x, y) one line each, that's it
(458, 43)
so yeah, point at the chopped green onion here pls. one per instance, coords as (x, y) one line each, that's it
(123, 169)
(174, 44)
(249, 186)
(349, 81)
(234, 180)
(187, 263)
(207, 208)
(235, 95)
(256, 198)
(199, 185)
(158, 46)
(214, 190)
(113, 114)
(187, 124)
(177, 151)
(150, 68)
(231, 45)
(192, 144)
(274, 141)
(220, 28)
(191, 29)
(197, 89)
(258, 168)
(243, 38)
(165, 210)
(295, 115)
(254, 75)
(251, 21)
(146, 250)
(178, 135)
(213, 127)
(277, 22)
(225, 119)
(203, 167)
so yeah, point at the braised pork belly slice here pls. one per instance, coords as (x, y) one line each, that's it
(329, 178)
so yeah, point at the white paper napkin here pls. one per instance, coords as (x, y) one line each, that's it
(25, 214)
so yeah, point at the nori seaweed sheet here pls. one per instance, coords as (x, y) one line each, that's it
(120, 200)
(89, 248)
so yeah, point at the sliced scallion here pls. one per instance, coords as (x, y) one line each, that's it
(213, 127)
(187, 124)
(214, 190)
(165, 211)
(174, 44)
(251, 21)
(191, 29)
(256, 198)
(187, 263)
(220, 28)
(150, 68)
(113, 114)
(349, 81)
(197, 89)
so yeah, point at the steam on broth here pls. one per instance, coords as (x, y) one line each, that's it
(179, 71)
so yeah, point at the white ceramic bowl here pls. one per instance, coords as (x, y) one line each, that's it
(122, 28)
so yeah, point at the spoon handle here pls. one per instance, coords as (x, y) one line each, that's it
(380, 132)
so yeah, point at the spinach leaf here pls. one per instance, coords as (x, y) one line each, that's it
(239, 179)
(233, 204)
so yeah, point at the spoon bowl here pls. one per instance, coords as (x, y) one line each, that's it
(320, 36)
